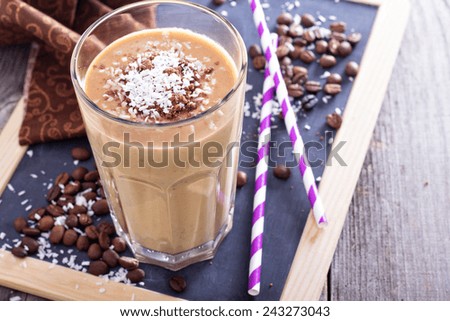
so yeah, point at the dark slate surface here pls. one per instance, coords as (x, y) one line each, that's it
(225, 278)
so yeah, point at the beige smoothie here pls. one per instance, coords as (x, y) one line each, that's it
(165, 139)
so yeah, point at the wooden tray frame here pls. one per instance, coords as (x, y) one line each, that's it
(315, 251)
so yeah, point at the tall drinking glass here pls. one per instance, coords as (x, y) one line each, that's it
(170, 186)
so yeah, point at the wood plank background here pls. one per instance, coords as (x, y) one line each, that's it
(395, 243)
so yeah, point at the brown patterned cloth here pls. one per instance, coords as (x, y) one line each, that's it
(52, 111)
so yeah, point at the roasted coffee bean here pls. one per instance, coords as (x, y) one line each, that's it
(78, 209)
(309, 36)
(334, 120)
(88, 185)
(241, 179)
(65, 199)
(46, 223)
(53, 193)
(282, 172)
(286, 61)
(84, 219)
(79, 172)
(106, 227)
(72, 188)
(295, 30)
(89, 196)
(30, 244)
(309, 102)
(83, 243)
(300, 42)
(70, 237)
(219, 2)
(285, 18)
(19, 251)
(332, 89)
(282, 40)
(91, 232)
(299, 79)
(312, 86)
(300, 75)
(62, 178)
(129, 263)
(338, 26)
(104, 241)
(98, 268)
(345, 49)
(338, 36)
(81, 153)
(259, 62)
(100, 207)
(282, 30)
(333, 46)
(72, 221)
(54, 210)
(177, 283)
(354, 38)
(327, 61)
(56, 234)
(91, 176)
(36, 214)
(119, 244)
(307, 56)
(136, 275)
(295, 54)
(254, 51)
(334, 79)
(282, 51)
(321, 46)
(299, 70)
(351, 69)
(31, 231)
(308, 20)
(94, 251)
(19, 224)
(111, 258)
(295, 90)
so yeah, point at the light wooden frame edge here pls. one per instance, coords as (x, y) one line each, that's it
(316, 247)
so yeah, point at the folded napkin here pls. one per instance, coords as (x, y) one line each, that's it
(55, 25)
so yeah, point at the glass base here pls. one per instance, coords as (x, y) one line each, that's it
(175, 262)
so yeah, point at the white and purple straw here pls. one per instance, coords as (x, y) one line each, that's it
(289, 116)
(254, 273)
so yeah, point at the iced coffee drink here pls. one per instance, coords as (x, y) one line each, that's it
(162, 109)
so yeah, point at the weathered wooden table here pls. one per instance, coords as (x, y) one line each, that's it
(395, 244)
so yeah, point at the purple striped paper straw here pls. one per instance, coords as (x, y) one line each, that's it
(254, 273)
(289, 116)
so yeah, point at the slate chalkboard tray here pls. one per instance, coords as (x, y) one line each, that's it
(296, 253)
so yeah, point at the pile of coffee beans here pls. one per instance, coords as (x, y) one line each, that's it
(74, 201)
(301, 38)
